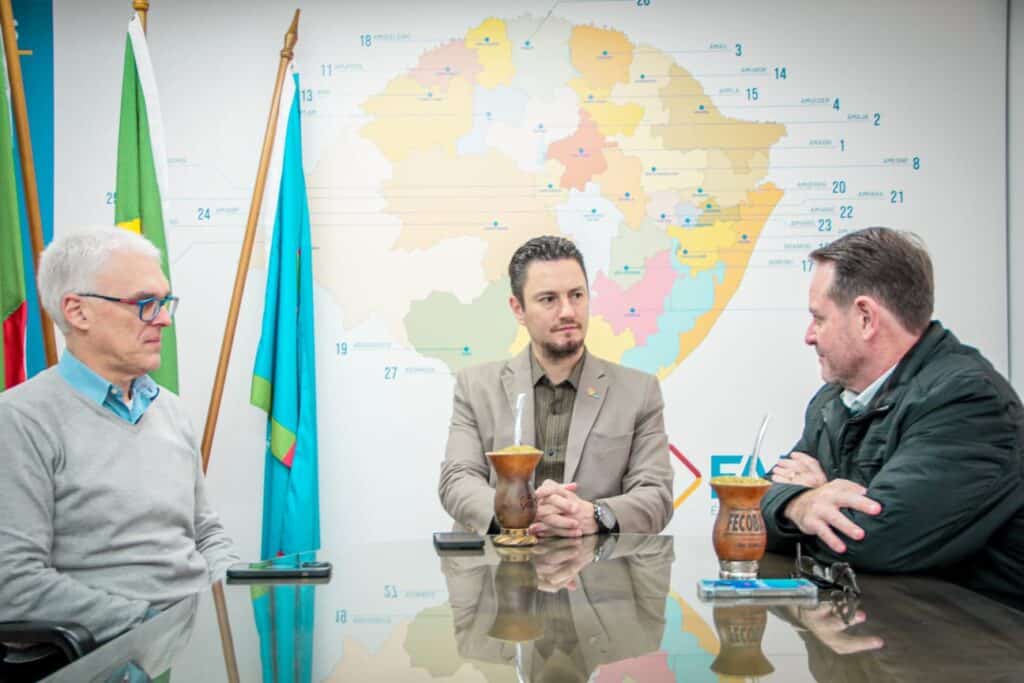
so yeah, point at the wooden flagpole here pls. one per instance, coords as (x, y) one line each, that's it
(290, 38)
(28, 165)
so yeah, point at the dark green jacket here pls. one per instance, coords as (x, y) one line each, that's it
(941, 447)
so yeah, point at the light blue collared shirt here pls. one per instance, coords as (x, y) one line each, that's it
(103, 393)
(858, 403)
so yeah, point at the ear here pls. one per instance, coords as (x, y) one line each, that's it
(74, 312)
(517, 310)
(867, 314)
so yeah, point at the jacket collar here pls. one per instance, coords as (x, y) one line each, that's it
(912, 362)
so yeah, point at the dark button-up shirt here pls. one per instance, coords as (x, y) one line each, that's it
(552, 410)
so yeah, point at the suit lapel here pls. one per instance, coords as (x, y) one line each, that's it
(590, 397)
(516, 379)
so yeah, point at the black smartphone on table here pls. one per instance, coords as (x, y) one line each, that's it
(267, 572)
(458, 540)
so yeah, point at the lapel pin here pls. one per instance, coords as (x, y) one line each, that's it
(592, 392)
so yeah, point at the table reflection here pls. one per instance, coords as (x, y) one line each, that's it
(575, 604)
(601, 609)
(516, 619)
(284, 616)
(740, 629)
(908, 628)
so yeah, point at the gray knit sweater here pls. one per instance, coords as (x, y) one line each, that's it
(100, 519)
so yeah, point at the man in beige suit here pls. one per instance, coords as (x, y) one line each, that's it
(606, 461)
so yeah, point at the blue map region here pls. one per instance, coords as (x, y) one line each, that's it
(690, 298)
(687, 660)
(507, 105)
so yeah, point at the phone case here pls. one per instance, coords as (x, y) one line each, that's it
(714, 589)
(457, 540)
(265, 572)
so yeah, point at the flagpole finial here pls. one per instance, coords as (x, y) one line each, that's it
(291, 37)
(142, 7)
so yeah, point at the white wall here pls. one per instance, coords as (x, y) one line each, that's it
(940, 85)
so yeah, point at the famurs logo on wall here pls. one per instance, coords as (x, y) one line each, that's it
(692, 476)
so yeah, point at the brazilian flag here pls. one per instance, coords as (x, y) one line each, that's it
(142, 172)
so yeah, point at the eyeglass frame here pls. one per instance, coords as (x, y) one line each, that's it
(838, 576)
(141, 303)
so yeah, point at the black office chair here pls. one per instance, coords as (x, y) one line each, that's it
(31, 650)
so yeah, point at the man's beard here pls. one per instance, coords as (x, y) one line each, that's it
(559, 351)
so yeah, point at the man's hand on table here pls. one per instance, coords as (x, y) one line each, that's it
(818, 512)
(560, 512)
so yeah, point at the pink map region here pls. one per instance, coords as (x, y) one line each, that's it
(647, 296)
(582, 154)
(651, 668)
(438, 66)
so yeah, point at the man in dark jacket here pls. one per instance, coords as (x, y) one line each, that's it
(911, 457)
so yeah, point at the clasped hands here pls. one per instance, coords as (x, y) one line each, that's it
(818, 512)
(560, 512)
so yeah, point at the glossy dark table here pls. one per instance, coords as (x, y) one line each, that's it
(598, 610)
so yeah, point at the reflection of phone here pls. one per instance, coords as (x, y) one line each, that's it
(268, 572)
(458, 540)
(806, 602)
(756, 589)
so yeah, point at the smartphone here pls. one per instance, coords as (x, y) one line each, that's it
(754, 589)
(267, 572)
(458, 540)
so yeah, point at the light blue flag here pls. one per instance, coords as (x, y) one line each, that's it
(284, 385)
(284, 380)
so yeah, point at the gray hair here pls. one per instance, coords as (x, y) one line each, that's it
(890, 265)
(71, 263)
(543, 248)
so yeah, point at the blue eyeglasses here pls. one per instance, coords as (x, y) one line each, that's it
(149, 308)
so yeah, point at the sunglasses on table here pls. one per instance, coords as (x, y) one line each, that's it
(837, 576)
(149, 307)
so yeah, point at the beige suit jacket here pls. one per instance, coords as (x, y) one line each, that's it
(617, 451)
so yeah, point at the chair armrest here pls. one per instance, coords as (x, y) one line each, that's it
(73, 640)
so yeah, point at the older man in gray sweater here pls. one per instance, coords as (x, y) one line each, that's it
(104, 517)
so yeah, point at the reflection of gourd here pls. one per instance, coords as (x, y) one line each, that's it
(740, 630)
(515, 586)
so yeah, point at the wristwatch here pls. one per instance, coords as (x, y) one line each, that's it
(605, 518)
